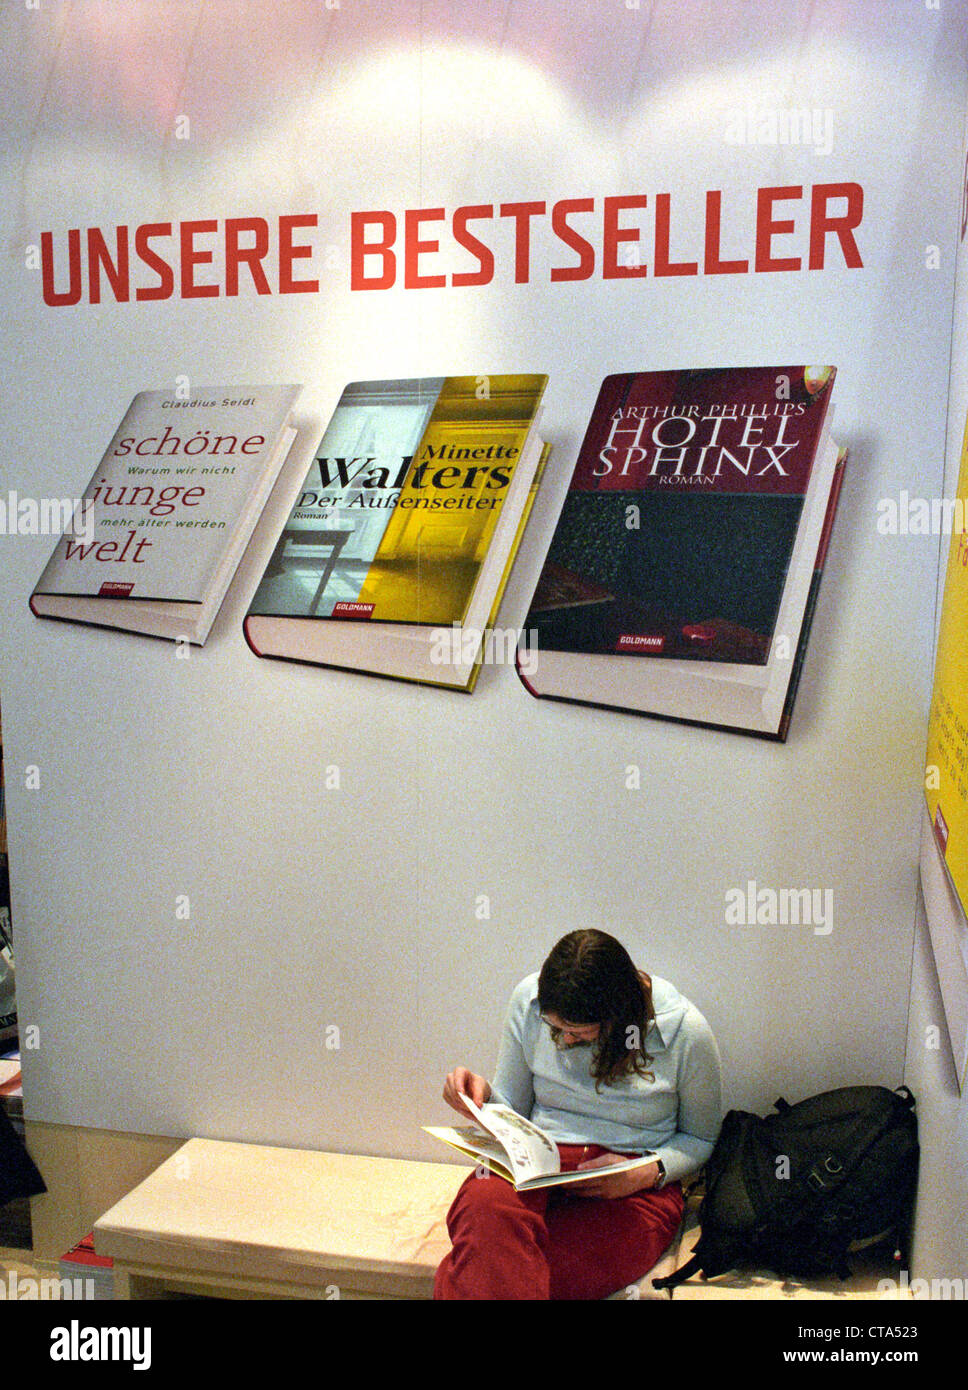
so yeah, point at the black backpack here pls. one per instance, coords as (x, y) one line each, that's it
(795, 1190)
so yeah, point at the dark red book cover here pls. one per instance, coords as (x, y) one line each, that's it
(681, 519)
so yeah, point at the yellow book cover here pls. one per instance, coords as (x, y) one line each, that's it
(946, 769)
(399, 546)
(404, 495)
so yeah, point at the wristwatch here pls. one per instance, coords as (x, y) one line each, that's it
(660, 1180)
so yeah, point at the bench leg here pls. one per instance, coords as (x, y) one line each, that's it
(129, 1286)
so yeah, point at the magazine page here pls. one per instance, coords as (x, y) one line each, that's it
(530, 1153)
(474, 1144)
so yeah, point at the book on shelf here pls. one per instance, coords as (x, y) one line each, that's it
(11, 1079)
(94, 1272)
(517, 1150)
(399, 546)
(682, 577)
(169, 511)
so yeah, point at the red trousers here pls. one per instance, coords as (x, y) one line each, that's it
(547, 1244)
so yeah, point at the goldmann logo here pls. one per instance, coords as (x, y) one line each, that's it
(77, 1343)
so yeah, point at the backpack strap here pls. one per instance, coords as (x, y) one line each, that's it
(904, 1094)
(826, 1175)
(672, 1281)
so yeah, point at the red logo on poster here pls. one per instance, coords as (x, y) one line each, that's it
(634, 642)
(941, 831)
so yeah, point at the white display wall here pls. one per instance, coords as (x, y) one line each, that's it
(467, 833)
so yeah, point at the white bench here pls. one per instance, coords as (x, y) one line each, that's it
(241, 1220)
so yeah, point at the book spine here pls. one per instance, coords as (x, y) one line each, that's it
(812, 597)
(512, 556)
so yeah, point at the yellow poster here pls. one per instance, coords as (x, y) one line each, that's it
(946, 771)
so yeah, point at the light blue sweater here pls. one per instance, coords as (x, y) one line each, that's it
(676, 1116)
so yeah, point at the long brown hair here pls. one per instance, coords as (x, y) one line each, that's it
(589, 977)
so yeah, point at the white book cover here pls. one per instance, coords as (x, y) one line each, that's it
(172, 488)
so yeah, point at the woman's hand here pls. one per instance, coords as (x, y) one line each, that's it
(616, 1184)
(460, 1082)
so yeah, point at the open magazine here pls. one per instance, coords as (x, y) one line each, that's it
(517, 1150)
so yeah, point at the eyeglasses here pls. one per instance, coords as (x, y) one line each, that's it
(577, 1033)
